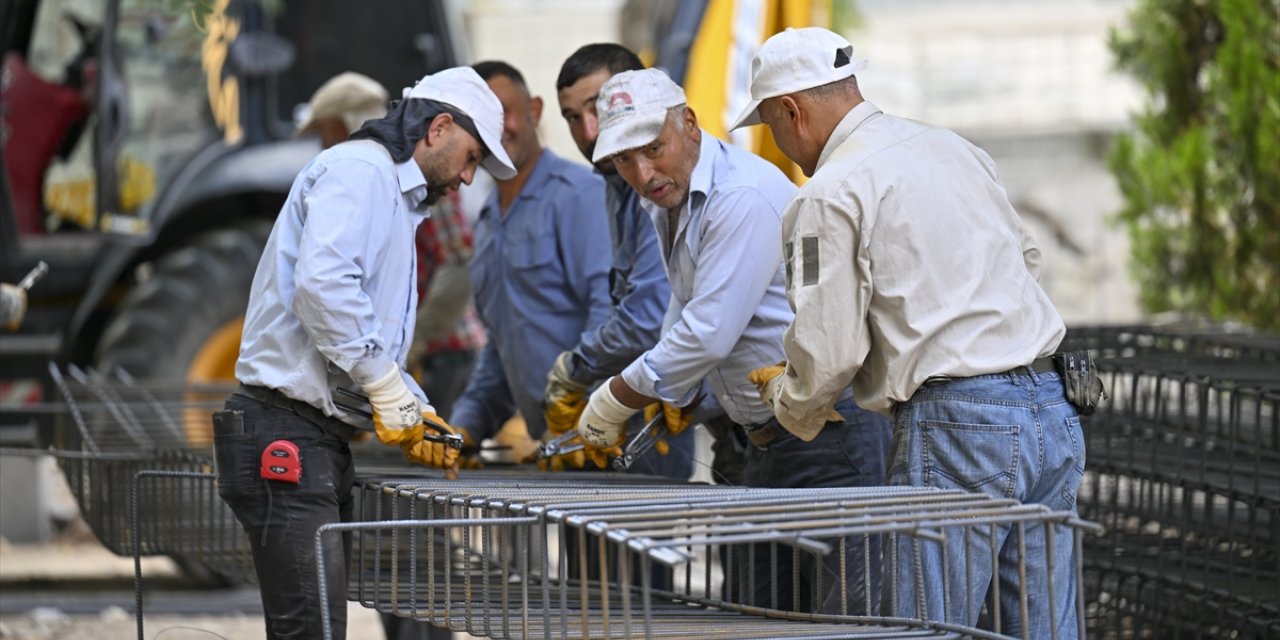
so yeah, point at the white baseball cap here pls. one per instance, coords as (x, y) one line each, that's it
(462, 88)
(796, 60)
(633, 108)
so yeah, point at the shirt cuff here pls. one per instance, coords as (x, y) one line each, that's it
(367, 371)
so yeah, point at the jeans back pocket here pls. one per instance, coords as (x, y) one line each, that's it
(973, 457)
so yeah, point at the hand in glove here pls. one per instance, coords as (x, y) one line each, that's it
(397, 415)
(604, 424)
(767, 379)
(677, 418)
(436, 454)
(572, 460)
(564, 399)
(13, 305)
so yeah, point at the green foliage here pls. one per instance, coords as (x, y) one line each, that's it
(1201, 174)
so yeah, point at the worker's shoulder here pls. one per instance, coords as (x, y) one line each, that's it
(363, 157)
(740, 172)
(883, 150)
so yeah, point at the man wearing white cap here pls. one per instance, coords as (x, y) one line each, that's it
(332, 307)
(718, 213)
(914, 279)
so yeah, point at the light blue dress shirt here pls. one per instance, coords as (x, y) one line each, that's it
(333, 298)
(637, 286)
(541, 279)
(728, 309)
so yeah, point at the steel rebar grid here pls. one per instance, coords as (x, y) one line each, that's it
(630, 524)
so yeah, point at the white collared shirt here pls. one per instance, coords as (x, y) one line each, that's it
(905, 261)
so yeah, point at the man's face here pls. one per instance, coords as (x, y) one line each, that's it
(521, 114)
(448, 158)
(578, 106)
(660, 171)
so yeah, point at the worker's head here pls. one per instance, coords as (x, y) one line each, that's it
(522, 111)
(802, 85)
(450, 122)
(650, 134)
(341, 105)
(578, 87)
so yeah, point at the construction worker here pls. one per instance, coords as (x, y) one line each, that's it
(913, 278)
(717, 210)
(341, 105)
(637, 281)
(540, 268)
(332, 306)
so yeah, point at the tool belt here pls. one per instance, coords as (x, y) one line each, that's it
(274, 398)
(1080, 380)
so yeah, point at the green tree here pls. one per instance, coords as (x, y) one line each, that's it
(1200, 175)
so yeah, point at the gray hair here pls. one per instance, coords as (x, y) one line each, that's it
(841, 88)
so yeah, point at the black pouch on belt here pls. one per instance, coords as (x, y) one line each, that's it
(1081, 381)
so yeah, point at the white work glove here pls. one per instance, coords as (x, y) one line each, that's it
(13, 305)
(397, 414)
(603, 423)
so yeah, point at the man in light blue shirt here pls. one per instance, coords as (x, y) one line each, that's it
(637, 280)
(718, 213)
(540, 268)
(332, 308)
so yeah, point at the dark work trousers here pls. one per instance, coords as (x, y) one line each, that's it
(851, 453)
(281, 518)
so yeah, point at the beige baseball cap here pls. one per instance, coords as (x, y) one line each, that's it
(793, 61)
(633, 108)
(463, 89)
(351, 96)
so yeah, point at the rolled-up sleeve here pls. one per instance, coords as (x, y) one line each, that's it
(739, 257)
(829, 287)
(330, 300)
(635, 321)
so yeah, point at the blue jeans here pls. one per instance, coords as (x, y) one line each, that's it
(844, 454)
(281, 518)
(1009, 435)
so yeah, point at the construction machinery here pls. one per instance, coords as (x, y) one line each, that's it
(147, 150)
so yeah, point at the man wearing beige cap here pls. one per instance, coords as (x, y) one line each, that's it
(914, 279)
(341, 105)
(332, 310)
(717, 211)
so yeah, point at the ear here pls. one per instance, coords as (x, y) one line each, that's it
(437, 128)
(535, 109)
(790, 109)
(691, 125)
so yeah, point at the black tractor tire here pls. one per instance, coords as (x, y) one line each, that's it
(194, 290)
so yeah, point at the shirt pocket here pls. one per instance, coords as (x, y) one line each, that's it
(531, 248)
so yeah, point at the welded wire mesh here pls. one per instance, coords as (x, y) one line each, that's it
(123, 449)
(610, 557)
(1184, 473)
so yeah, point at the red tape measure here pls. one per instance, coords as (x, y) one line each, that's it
(280, 461)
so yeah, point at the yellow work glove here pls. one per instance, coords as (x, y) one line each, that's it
(573, 460)
(397, 414)
(436, 454)
(767, 380)
(604, 425)
(13, 305)
(677, 418)
(564, 398)
(599, 456)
